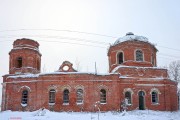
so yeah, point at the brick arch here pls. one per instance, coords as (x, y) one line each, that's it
(102, 87)
(156, 90)
(66, 87)
(141, 90)
(24, 88)
(128, 90)
(79, 87)
(52, 87)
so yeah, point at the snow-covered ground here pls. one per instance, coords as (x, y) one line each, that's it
(131, 115)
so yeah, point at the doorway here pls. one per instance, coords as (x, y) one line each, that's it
(141, 100)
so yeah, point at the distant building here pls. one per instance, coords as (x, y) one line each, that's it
(132, 75)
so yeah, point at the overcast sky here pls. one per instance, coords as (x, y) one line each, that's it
(63, 27)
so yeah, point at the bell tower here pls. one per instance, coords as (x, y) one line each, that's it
(24, 57)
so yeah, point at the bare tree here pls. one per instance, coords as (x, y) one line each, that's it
(174, 70)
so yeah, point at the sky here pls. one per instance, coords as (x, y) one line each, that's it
(81, 31)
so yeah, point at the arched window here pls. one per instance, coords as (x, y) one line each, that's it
(52, 96)
(128, 96)
(79, 95)
(154, 97)
(103, 96)
(141, 93)
(120, 58)
(19, 62)
(139, 55)
(66, 96)
(24, 98)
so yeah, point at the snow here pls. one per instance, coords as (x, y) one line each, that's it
(19, 48)
(131, 37)
(29, 75)
(153, 78)
(25, 76)
(130, 115)
(123, 66)
(56, 73)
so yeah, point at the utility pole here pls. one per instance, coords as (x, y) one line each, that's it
(95, 68)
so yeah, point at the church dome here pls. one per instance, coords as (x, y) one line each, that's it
(130, 37)
(132, 50)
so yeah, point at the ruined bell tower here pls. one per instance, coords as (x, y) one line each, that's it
(24, 57)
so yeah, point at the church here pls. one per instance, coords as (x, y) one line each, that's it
(133, 76)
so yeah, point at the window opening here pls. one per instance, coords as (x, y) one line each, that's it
(79, 96)
(120, 58)
(102, 96)
(154, 97)
(128, 97)
(52, 96)
(19, 62)
(24, 99)
(66, 96)
(139, 55)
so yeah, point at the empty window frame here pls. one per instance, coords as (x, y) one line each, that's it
(154, 97)
(139, 55)
(19, 62)
(79, 95)
(24, 98)
(128, 97)
(52, 94)
(102, 96)
(120, 58)
(152, 60)
(66, 96)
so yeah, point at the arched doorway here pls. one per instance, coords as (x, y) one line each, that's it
(141, 100)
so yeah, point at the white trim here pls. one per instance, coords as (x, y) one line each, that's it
(117, 59)
(65, 103)
(82, 96)
(135, 55)
(158, 93)
(27, 87)
(131, 92)
(59, 81)
(23, 105)
(103, 103)
(128, 89)
(52, 87)
(79, 103)
(149, 84)
(156, 90)
(51, 104)
(157, 98)
(68, 87)
(79, 87)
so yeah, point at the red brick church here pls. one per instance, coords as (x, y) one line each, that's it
(132, 75)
